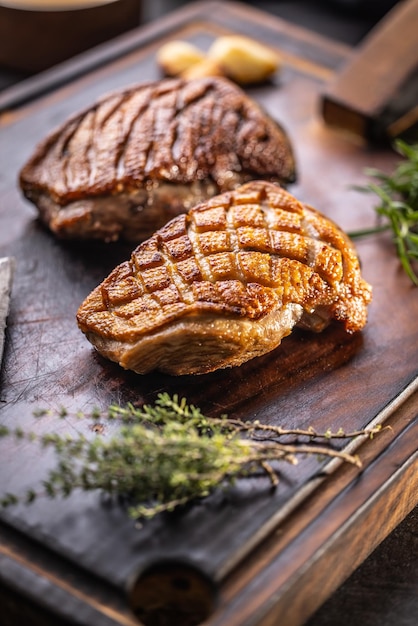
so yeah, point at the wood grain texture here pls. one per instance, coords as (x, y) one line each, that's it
(383, 590)
(82, 556)
(322, 566)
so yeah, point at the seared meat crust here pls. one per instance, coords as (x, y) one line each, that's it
(125, 166)
(225, 283)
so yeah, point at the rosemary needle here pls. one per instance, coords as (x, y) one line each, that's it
(398, 206)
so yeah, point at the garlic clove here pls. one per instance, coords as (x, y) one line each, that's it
(207, 67)
(244, 60)
(177, 56)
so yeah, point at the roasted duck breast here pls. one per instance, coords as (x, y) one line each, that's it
(225, 283)
(137, 158)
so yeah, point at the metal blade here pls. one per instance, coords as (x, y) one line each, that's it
(6, 276)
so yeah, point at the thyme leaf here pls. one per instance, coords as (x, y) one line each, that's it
(169, 453)
(397, 208)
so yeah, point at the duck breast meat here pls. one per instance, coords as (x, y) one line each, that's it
(225, 283)
(126, 165)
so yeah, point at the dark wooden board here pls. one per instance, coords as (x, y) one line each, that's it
(79, 559)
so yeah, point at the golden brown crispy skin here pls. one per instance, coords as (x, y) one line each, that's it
(135, 159)
(225, 283)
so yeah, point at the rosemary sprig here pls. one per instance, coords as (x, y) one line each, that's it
(168, 454)
(398, 206)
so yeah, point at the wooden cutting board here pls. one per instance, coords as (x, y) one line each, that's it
(249, 555)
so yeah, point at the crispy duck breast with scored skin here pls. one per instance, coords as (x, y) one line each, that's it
(138, 157)
(225, 283)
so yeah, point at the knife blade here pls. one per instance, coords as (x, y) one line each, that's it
(6, 277)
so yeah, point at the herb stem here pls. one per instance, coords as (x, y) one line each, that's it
(398, 206)
(365, 232)
(168, 454)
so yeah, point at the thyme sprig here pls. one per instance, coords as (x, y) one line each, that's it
(398, 206)
(169, 453)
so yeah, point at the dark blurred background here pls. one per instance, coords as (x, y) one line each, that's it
(347, 21)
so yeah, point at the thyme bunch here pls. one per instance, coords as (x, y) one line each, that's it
(398, 206)
(167, 454)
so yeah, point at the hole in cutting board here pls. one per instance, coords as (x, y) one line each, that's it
(172, 593)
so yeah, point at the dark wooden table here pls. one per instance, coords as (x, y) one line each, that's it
(270, 558)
